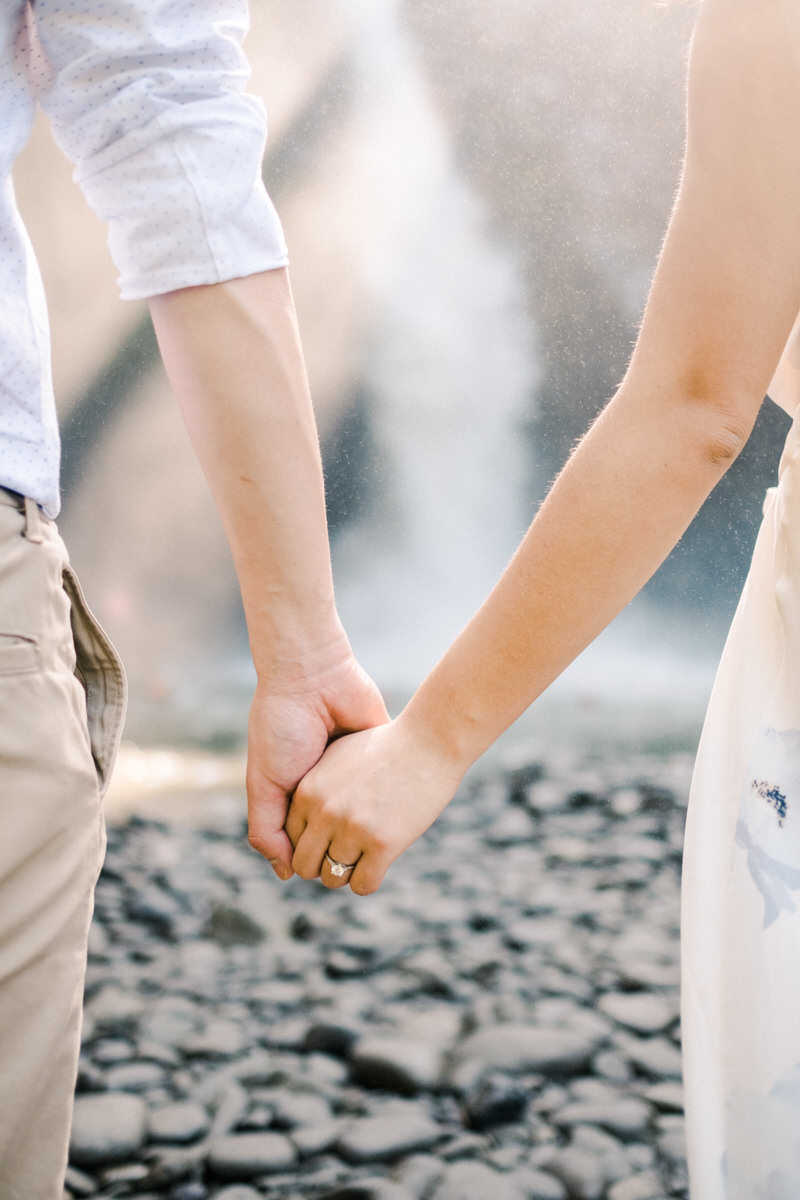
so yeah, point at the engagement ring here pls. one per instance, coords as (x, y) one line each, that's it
(338, 869)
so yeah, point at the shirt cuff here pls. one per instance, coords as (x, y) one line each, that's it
(184, 199)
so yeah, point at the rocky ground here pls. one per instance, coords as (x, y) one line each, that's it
(499, 1022)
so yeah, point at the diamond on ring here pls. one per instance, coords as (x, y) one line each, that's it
(338, 868)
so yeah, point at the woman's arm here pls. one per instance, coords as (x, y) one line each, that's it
(723, 301)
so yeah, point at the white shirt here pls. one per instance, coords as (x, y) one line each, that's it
(147, 98)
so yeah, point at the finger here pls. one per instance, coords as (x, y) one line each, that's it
(309, 851)
(369, 872)
(338, 864)
(295, 824)
(266, 813)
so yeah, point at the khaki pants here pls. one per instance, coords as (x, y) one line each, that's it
(62, 699)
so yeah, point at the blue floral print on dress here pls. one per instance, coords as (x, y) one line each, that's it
(768, 829)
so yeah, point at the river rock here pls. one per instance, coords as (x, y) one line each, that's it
(640, 1011)
(114, 1010)
(515, 1048)
(180, 1122)
(135, 1076)
(246, 1155)
(371, 1188)
(383, 1138)
(496, 1100)
(666, 1096)
(672, 1138)
(396, 1064)
(657, 1057)
(107, 1128)
(471, 1180)
(335, 1037)
(291, 1110)
(310, 1140)
(78, 1183)
(239, 1191)
(580, 1172)
(539, 1185)
(626, 1116)
(645, 1186)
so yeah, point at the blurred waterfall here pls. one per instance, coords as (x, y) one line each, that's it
(449, 373)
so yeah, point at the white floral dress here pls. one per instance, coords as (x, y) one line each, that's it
(741, 883)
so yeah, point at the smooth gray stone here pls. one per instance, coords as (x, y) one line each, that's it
(220, 1039)
(626, 1116)
(640, 1011)
(538, 1185)
(246, 1155)
(180, 1122)
(114, 1010)
(231, 926)
(473, 1180)
(580, 1172)
(644, 972)
(79, 1184)
(382, 1138)
(396, 1064)
(155, 909)
(638, 1187)
(657, 1056)
(671, 1138)
(230, 1104)
(609, 1065)
(666, 1096)
(175, 1165)
(239, 1191)
(291, 1110)
(194, 1190)
(134, 1076)
(290, 1034)
(419, 1172)
(172, 1022)
(108, 1051)
(107, 1128)
(496, 1101)
(332, 1037)
(514, 1047)
(310, 1140)
(157, 1052)
(128, 1174)
(369, 1189)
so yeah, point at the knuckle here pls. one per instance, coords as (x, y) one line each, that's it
(380, 843)
(353, 829)
(258, 843)
(364, 887)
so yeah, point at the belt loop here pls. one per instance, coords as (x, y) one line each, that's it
(33, 522)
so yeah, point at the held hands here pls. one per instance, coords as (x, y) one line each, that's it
(291, 721)
(368, 798)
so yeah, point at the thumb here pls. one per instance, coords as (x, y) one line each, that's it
(361, 706)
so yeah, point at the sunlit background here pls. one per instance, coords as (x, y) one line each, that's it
(474, 197)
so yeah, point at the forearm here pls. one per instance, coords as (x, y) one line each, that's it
(619, 506)
(233, 356)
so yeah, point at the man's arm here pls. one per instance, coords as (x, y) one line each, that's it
(233, 356)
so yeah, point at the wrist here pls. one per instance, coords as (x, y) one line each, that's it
(291, 657)
(441, 740)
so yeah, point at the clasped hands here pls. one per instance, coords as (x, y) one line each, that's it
(319, 795)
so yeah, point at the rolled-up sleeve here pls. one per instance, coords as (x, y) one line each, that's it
(147, 98)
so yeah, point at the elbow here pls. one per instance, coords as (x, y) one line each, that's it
(724, 417)
(725, 438)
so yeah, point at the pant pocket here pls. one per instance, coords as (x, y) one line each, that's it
(100, 671)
